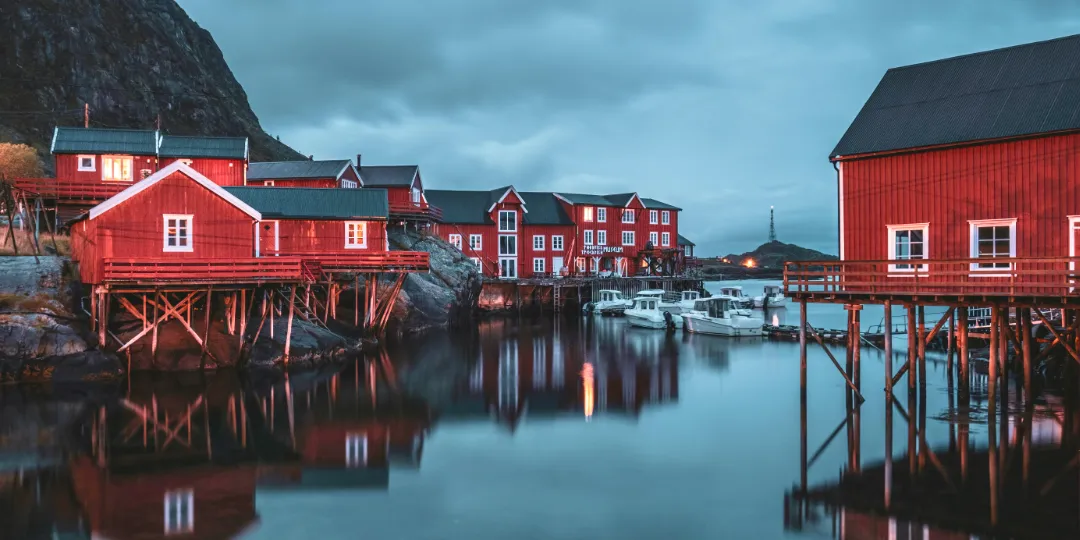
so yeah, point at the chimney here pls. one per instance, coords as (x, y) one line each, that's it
(358, 156)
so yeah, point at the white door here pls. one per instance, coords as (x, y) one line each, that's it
(508, 267)
(557, 265)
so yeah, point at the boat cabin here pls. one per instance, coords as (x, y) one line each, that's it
(647, 303)
(773, 290)
(655, 293)
(734, 292)
(607, 295)
(717, 308)
(690, 296)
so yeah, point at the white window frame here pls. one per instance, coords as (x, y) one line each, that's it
(416, 199)
(175, 522)
(476, 261)
(515, 253)
(165, 247)
(512, 266)
(601, 214)
(479, 242)
(557, 242)
(93, 162)
(601, 238)
(654, 237)
(363, 233)
(627, 215)
(588, 239)
(356, 450)
(349, 184)
(538, 265)
(921, 269)
(665, 239)
(455, 240)
(665, 217)
(268, 183)
(538, 242)
(632, 238)
(587, 214)
(654, 217)
(973, 240)
(105, 169)
(513, 222)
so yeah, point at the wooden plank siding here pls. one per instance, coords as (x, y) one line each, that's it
(67, 168)
(224, 172)
(325, 182)
(305, 235)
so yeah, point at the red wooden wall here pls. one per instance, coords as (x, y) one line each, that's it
(324, 444)
(401, 195)
(307, 236)
(67, 168)
(1032, 180)
(224, 172)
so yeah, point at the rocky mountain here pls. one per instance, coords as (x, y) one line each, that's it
(131, 61)
(774, 254)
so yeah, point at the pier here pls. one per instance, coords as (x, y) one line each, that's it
(571, 293)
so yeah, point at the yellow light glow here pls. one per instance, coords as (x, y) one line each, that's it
(587, 387)
(749, 263)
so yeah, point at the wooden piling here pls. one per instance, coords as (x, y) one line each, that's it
(288, 329)
(922, 346)
(803, 463)
(888, 361)
(962, 344)
(912, 348)
(1027, 337)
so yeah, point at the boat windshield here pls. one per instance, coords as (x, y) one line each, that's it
(772, 290)
(718, 308)
(690, 295)
(646, 303)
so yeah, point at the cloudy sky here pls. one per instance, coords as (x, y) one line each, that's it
(721, 107)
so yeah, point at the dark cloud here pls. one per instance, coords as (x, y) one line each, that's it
(720, 107)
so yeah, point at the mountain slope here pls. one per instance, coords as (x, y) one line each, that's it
(774, 254)
(130, 60)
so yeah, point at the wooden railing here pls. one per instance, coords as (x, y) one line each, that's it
(245, 270)
(1054, 277)
(368, 261)
(410, 210)
(62, 189)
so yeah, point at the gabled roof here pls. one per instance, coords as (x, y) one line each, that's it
(388, 175)
(653, 204)
(544, 209)
(176, 166)
(684, 241)
(203, 147)
(68, 140)
(315, 203)
(276, 170)
(461, 207)
(497, 196)
(1016, 91)
(620, 200)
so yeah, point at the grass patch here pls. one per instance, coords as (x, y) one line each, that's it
(25, 241)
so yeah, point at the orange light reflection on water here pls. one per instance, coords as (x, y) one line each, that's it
(587, 386)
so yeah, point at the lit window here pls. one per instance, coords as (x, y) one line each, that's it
(653, 217)
(180, 511)
(538, 243)
(557, 242)
(628, 238)
(87, 163)
(356, 450)
(665, 217)
(993, 239)
(588, 238)
(177, 232)
(354, 234)
(627, 216)
(586, 214)
(475, 242)
(507, 221)
(116, 168)
(601, 238)
(507, 245)
(652, 238)
(538, 266)
(665, 239)
(908, 242)
(455, 240)
(601, 215)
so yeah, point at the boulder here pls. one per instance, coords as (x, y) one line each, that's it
(443, 297)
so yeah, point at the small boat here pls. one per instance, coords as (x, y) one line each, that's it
(646, 313)
(773, 297)
(738, 299)
(664, 305)
(716, 316)
(610, 302)
(686, 302)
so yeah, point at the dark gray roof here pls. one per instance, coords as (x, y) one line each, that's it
(544, 209)
(598, 200)
(684, 241)
(68, 140)
(276, 170)
(1015, 91)
(388, 175)
(203, 147)
(654, 204)
(315, 203)
(461, 207)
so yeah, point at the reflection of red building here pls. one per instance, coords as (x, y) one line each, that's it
(859, 526)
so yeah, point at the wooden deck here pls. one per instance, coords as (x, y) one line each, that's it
(368, 261)
(1044, 281)
(415, 212)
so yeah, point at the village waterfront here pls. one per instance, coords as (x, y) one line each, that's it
(523, 428)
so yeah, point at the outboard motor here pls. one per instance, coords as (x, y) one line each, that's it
(669, 321)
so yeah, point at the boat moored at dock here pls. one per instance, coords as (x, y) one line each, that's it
(646, 313)
(773, 296)
(738, 299)
(717, 316)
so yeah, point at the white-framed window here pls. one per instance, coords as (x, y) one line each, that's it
(455, 240)
(180, 511)
(628, 238)
(416, 196)
(507, 245)
(601, 238)
(653, 237)
(476, 242)
(587, 214)
(601, 215)
(538, 242)
(476, 261)
(349, 184)
(908, 242)
(665, 217)
(355, 234)
(508, 268)
(507, 221)
(538, 265)
(580, 264)
(665, 239)
(87, 163)
(268, 183)
(356, 450)
(654, 217)
(588, 238)
(993, 239)
(556, 242)
(627, 216)
(176, 232)
(116, 168)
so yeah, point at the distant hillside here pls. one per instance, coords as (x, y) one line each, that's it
(774, 254)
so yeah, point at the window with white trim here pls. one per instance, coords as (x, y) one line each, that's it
(476, 261)
(455, 240)
(538, 242)
(180, 511)
(908, 242)
(653, 237)
(508, 268)
(588, 238)
(116, 168)
(87, 163)
(507, 245)
(416, 196)
(601, 238)
(665, 239)
(355, 234)
(993, 239)
(268, 183)
(557, 242)
(654, 217)
(356, 450)
(665, 217)
(349, 184)
(176, 232)
(601, 215)
(587, 214)
(476, 242)
(628, 238)
(627, 216)
(507, 221)
(538, 265)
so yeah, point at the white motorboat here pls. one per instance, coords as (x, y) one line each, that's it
(716, 316)
(664, 305)
(646, 313)
(738, 299)
(610, 300)
(773, 297)
(686, 301)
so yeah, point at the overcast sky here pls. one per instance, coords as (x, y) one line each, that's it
(720, 107)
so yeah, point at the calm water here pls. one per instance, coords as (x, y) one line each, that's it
(526, 429)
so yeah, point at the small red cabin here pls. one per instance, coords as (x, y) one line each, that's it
(222, 159)
(404, 189)
(111, 157)
(337, 173)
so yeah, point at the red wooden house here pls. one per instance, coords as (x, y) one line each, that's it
(336, 173)
(404, 189)
(225, 159)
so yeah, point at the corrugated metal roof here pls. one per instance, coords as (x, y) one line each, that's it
(653, 204)
(684, 241)
(315, 203)
(276, 170)
(544, 209)
(1023, 90)
(620, 199)
(203, 147)
(388, 175)
(461, 207)
(68, 140)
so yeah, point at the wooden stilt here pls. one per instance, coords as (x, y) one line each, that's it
(912, 347)
(356, 301)
(245, 308)
(288, 330)
(103, 320)
(153, 340)
(962, 345)
(206, 325)
(911, 434)
(856, 436)
(922, 346)
(888, 363)
(803, 464)
(272, 310)
(1027, 337)
(995, 332)
(888, 419)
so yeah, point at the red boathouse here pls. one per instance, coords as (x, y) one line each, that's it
(404, 190)
(336, 173)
